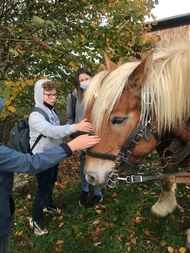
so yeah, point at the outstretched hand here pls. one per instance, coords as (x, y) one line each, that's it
(84, 126)
(83, 141)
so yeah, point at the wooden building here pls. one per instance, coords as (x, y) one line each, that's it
(172, 29)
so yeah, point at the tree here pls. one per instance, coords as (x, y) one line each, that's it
(54, 37)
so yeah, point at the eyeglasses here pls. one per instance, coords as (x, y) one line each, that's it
(50, 95)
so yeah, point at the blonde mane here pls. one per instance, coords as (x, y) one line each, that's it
(93, 89)
(166, 92)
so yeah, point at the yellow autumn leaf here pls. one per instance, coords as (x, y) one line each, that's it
(7, 102)
(182, 250)
(61, 224)
(97, 243)
(79, 235)
(170, 250)
(144, 41)
(104, 10)
(11, 108)
(71, 64)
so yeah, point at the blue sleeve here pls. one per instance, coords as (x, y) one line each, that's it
(13, 161)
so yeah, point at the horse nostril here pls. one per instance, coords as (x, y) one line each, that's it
(90, 179)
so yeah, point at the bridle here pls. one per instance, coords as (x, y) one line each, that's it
(121, 158)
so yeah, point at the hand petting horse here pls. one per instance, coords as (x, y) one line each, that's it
(135, 108)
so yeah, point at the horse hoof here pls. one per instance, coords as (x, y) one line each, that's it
(159, 210)
(165, 205)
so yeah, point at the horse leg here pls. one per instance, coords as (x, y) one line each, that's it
(167, 201)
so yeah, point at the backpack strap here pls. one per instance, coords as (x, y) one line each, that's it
(38, 109)
(74, 100)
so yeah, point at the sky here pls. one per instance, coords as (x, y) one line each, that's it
(168, 8)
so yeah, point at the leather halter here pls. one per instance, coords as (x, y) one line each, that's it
(122, 156)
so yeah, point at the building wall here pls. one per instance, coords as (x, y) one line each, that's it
(172, 30)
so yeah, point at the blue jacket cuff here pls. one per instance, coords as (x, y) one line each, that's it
(66, 148)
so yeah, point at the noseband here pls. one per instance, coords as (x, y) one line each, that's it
(121, 158)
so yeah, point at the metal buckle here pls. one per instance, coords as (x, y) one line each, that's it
(112, 181)
(142, 169)
(118, 159)
(133, 179)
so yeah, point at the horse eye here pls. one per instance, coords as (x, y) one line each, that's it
(118, 120)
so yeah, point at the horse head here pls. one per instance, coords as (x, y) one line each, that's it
(115, 113)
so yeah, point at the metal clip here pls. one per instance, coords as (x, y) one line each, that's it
(127, 179)
(112, 181)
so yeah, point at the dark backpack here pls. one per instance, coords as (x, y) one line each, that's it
(19, 134)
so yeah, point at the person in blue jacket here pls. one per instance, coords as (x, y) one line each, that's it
(12, 161)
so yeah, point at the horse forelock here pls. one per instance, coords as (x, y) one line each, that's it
(93, 89)
(110, 92)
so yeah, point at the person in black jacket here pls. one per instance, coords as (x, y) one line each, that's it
(12, 161)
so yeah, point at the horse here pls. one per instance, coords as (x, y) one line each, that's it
(136, 107)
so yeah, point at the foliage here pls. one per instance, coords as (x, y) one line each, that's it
(54, 37)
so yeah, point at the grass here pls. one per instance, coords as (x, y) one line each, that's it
(121, 223)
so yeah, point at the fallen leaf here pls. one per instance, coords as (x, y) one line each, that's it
(112, 225)
(182, 250)
(97, 243)
(59, 242)
(61, 224)
(28, 196)
(170, 250)
(20, 233)
(147, 232)
(58, 249)
(181, 209)
(134, 241)
(96, 222)
(130, 231)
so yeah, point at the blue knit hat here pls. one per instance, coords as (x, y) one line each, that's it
(2, 102)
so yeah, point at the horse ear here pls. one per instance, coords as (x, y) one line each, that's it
(111, 66)
(101, 68)
(140, 74)
(119, 62)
